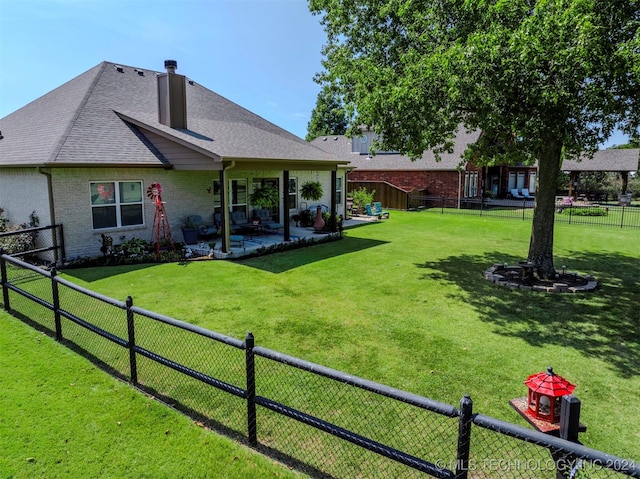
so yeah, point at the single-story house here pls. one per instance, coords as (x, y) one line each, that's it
(395, 177)
(86, 154)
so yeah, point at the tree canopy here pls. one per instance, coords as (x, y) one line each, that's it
(328, 117)
(541, 80)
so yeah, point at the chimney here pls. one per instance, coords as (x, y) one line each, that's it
(172, 97)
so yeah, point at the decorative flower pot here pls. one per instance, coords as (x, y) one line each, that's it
(318, 225)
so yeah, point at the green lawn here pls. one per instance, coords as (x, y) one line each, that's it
(60, 417)
(403, 302)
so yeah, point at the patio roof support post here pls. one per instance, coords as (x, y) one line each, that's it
(625, 181)
(224, 210)
(333, 227)
(286, 223)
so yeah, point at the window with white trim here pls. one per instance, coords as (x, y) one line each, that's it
(116, 203)
(470, 184)
(338, 191)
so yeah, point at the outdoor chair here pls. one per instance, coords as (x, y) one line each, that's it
(516, 195)
(264, 215)
(204, 230)
(370, 211)
(377, 208)
(217, 220)
(526, 194)
(239, 221)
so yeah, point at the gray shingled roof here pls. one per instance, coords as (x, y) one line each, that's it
(606, 160)
(340, 146)
(86, 122)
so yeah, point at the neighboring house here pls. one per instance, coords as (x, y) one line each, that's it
(395, 177)
(450, 177)
(84, 155)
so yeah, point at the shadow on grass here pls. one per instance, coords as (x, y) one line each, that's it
(175, 403)
(96, 273)
(287, 260)
(604, 324)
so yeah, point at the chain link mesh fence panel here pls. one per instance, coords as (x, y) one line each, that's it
(496, 455)
(99, 314)
(418, 432)
(202, 354)
(37, 284)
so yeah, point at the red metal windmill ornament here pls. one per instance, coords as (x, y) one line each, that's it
(545, 391)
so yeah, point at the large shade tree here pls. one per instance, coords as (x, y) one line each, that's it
(541, 80)
(328, 116)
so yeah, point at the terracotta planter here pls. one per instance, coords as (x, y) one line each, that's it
(318, 225)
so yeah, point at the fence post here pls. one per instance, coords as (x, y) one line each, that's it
(622, 219)
(570, 213)
(524, 208)
(56, 304)
(569, 428)
(252, 426)
(132, 342)
(442, 205)
(3, 277)
(464, 437)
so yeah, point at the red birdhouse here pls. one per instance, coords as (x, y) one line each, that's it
(545, 391)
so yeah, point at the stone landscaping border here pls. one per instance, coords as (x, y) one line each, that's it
(499, 274)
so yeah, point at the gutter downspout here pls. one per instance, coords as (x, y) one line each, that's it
(52, 213)
(224, 202)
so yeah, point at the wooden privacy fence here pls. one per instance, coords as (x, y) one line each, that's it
(323, 421)
(389, 195)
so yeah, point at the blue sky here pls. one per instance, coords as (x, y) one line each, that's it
(261, 54)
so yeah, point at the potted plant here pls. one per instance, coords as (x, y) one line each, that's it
(265, 196)
(312, 191)
(189, 230)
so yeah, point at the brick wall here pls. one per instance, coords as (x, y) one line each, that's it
(434, 182)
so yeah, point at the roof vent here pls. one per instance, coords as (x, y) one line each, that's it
(1, 137)
(171, 66)
(139, 72)
(118, 68)
(191, 82)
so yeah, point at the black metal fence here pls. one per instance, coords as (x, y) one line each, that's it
(324, 421)
(42, 244)
(597, 214)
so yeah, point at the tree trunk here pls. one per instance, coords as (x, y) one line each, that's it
(541, 244)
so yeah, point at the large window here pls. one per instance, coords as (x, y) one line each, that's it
(470, 184)
(116, 203)
(237, 195)
(338, 191)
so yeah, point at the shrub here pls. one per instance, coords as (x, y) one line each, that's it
(18, 242)
(587, 211)
(362, 197)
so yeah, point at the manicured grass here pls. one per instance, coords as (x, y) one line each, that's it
(403, 302)
(60, 417)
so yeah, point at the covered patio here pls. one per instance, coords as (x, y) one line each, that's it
(247, 244)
